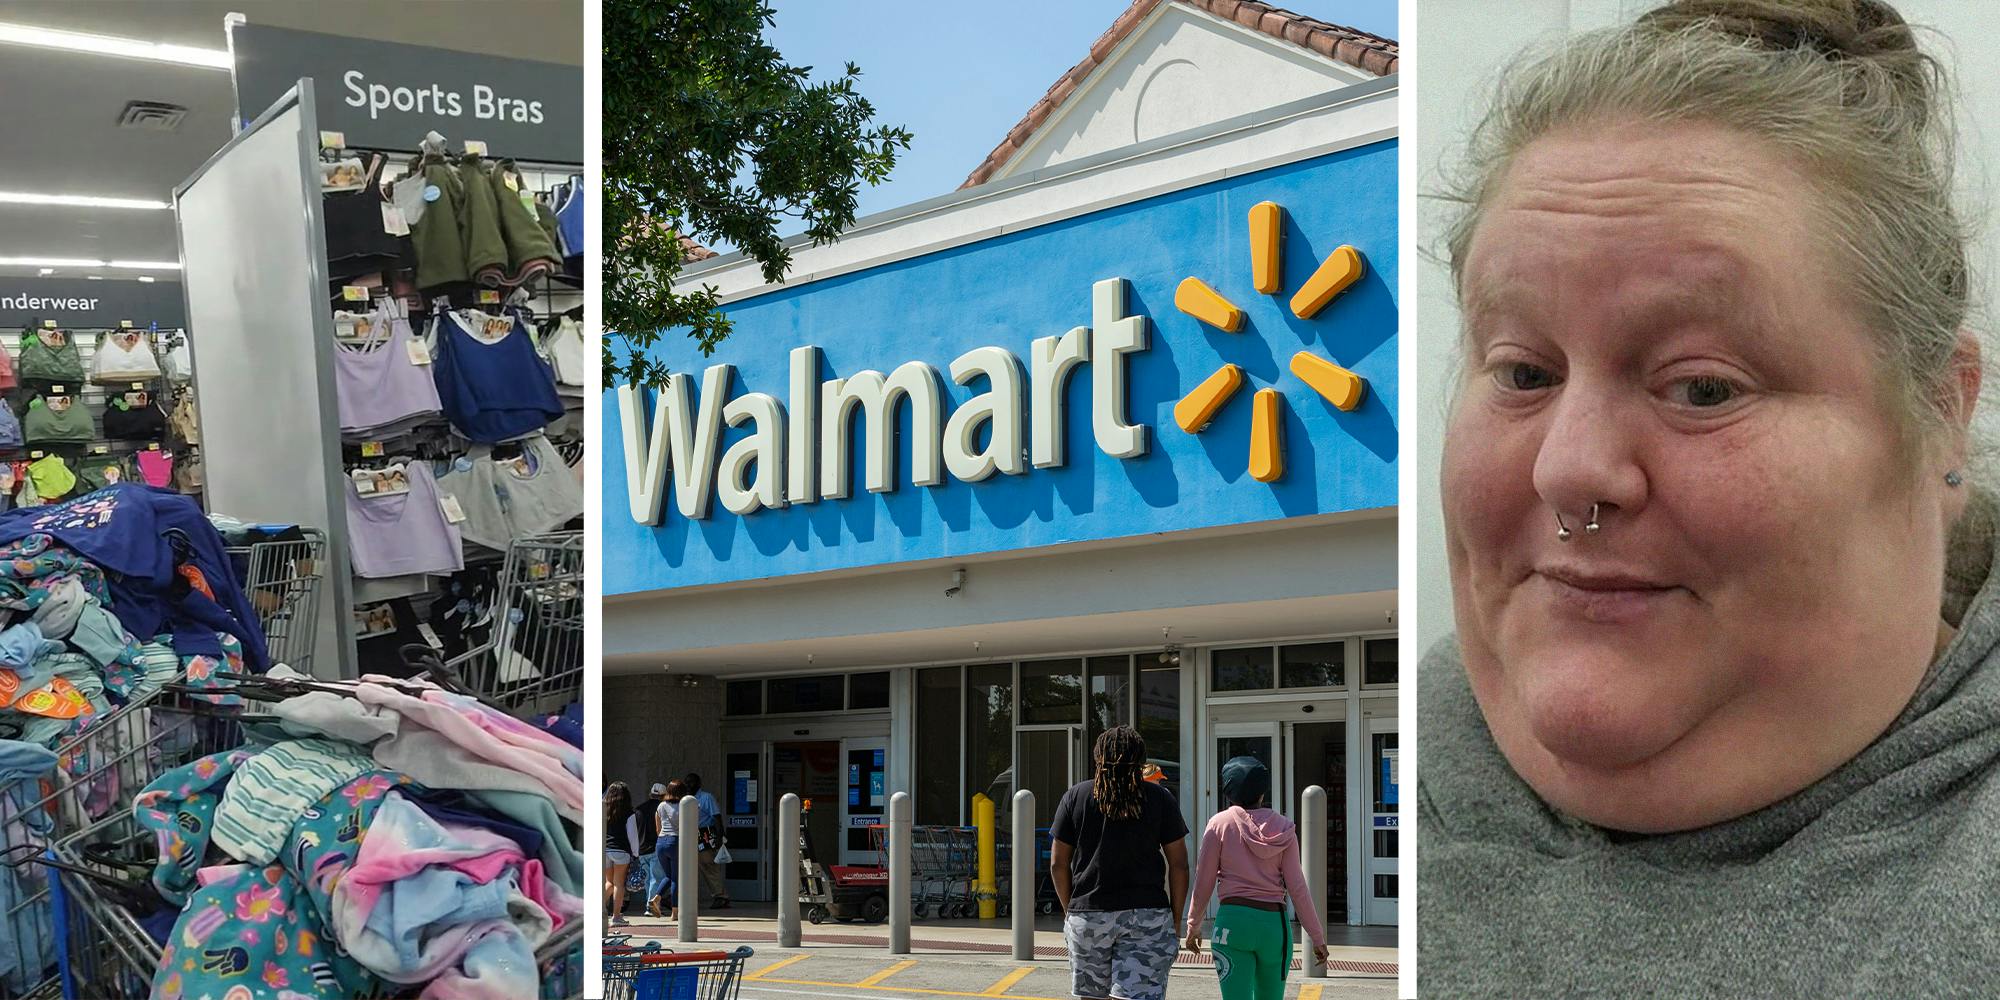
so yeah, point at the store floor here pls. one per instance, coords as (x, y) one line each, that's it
(1355, 952)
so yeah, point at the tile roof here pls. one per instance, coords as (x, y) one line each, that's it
(1356, 48)
(692, 251)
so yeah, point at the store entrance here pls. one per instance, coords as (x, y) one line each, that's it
(1300, 755)
(1048, 759)
(811, 770)
(1384, 783)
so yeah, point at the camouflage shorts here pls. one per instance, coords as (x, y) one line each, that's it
(1120, 953)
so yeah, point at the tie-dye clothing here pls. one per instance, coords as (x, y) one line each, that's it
(324, 845)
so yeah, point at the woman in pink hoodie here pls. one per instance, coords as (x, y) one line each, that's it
(1253, 853)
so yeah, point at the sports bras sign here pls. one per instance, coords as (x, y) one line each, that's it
(1199, 359)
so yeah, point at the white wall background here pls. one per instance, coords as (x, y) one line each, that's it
(1463, 46)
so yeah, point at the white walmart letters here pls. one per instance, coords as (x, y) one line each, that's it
(803, 454)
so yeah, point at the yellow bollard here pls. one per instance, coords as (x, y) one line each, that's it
(988, 886)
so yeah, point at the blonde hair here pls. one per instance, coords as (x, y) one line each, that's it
(1841, 86)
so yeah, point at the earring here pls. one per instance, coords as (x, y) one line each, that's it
(1953, 479)
(1591, 526)
(1562, 530)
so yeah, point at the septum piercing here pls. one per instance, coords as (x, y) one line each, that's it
(1563, 533)
(1953, 479)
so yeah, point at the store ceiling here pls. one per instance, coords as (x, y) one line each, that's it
(61, 119)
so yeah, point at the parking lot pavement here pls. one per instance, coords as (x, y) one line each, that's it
(783, 974)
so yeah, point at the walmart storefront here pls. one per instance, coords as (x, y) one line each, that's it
(1114, 442)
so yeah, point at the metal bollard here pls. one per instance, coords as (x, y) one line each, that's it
(690, 865)
(1313, 845)
(788, 871)
(1024, 856)
(900, 830)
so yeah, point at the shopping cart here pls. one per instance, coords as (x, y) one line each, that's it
(653, 973)
(77, 815)
(282, 580)
(531, 660)
(944, 864)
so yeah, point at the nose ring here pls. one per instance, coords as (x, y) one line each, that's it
(1563, 534)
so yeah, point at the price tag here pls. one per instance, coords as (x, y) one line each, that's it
(512, 184)
(419, 354)
(100, 449)
(154, 446)
(354, 293)
(393, 221)
(333, 140)
(48, 324)
(36, 454)
(365, 484)
(138, 385)
(55, 390)
(452, 511)
(124, 324)
(474, 147)
(371, 449)
(487, 297)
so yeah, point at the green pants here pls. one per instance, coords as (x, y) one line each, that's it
(1253, 951)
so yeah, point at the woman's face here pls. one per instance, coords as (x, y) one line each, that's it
(1655, 324)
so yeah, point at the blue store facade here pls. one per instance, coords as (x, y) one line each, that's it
(993, 473)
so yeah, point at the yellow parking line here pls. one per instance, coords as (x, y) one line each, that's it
(886, 973)
(775, 966)
(1310, 991)
(1008, 980)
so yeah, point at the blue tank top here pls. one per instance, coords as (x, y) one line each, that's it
(493, 390)
(569, 220)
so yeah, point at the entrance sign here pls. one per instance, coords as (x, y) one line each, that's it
(386, 95)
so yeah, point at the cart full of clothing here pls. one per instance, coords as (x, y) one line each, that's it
(373, 837)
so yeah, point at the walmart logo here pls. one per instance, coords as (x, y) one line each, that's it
(1341, 387)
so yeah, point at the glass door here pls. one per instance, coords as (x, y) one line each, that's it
(1046, 757)
(866, 801)
(1384, 783)
(742, 827)
(1246, 739)
(1316, 754)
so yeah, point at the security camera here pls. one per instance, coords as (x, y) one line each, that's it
(957, 582)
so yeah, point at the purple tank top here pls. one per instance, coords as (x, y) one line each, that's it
(402, 534)
(376, 383)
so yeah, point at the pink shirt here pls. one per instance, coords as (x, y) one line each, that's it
(1254, 854)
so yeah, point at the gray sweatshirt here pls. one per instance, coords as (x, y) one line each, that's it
(1880, 880)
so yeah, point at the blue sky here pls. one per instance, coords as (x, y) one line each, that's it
(960, 74)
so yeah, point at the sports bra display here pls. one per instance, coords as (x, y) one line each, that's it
(505, 499)
(129, 421)
(382, 388)
(565, 349)
(46, 423)
(50, 356)
(123, 357)
(401, 533)
(493, 383)
(357, 238)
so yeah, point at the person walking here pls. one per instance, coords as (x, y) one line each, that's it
(1252, 852)
(621, 841)
(1119, 863)
(644, 818)
(665, 882)
(711, 842)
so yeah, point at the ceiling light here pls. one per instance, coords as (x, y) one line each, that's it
(79, 201)
(145, 277)
(93, 277)
(46, 271)
(48, 262)
(111, 45)
(148, 265)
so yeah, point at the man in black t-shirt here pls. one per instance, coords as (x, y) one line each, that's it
(1119, 862)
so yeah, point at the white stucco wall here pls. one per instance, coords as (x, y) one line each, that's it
(1462, 48)
(1180, 69)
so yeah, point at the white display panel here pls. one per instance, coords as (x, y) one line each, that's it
(252, 242)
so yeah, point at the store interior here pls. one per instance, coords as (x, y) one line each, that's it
(291, 491)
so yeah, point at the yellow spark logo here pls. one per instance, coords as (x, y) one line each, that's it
(1341, 387)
